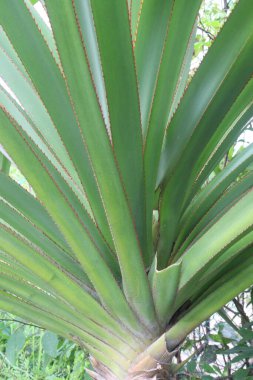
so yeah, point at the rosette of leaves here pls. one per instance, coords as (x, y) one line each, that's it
(125, 247)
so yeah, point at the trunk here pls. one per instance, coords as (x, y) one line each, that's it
(161, 372)
(154, 363)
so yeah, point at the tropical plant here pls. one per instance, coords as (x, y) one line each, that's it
(127, 245)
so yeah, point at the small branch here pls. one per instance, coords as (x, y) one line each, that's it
(240, 309)
(198, 351)
(226, 5)
(224, 315)
(249, 126)
(225, 160)
(203, 29)
(231, 310)
(23, 323)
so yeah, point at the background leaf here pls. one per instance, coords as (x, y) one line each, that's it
(50, 343)
(14, 345)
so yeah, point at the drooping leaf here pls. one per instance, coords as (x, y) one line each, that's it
(164, 285)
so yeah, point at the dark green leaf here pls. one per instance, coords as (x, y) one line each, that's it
(241, 374)
(209, 355)
(191, 366)
(207, 368)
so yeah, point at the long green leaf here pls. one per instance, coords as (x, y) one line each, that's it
(221, 264)
(25, 228)
(30, 207)
(229, 228)
(150, 39)
(61, 327)
(213, 86)
(11, 266)
(57, 173)
(166, 74)
(6, 46)
(135, 9)
(228, 131)
(39, 64)
(5, 164)
(35, 260)
(83, 9)
(230, 197)
(39, 298)
(82, 215)
(76, 235)
(34, 109)
(27, 125)
(101, 153)
(45, 30)
(39, 293)
(117, 60)
(234, 282)
(212, 192)
(209, 97)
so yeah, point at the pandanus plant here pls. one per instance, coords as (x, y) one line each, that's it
(124, 245)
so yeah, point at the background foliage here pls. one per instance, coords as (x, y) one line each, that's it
(30, 353)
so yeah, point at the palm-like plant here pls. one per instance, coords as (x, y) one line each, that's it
(126, 247)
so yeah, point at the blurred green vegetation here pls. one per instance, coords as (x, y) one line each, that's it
(28, 352)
